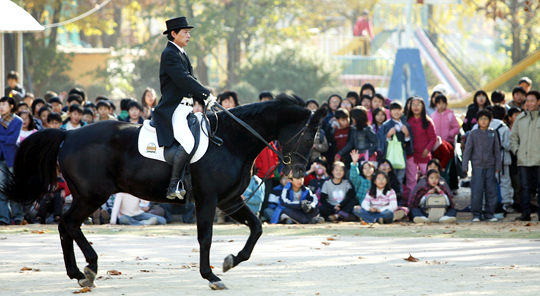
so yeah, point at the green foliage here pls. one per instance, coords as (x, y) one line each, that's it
(300, 69)
(246, 93)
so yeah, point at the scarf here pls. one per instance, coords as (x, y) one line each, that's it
(6, 120)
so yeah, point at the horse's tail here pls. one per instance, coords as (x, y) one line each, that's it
(35, 168)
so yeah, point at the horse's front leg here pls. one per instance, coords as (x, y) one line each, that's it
(206, 210)
(239, 211)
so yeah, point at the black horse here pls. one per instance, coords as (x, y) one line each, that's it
(101, 159)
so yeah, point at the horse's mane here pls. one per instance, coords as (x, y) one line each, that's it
(282, 100)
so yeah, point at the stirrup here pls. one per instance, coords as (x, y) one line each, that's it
(178, 192)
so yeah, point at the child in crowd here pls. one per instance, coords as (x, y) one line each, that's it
(56, 105)
(512, 115)
(42, 115)
(398, 126)
(72, 99)
(433, 164)
(353, 97)
(74, 119)
(197, 107)
(340, 135)
(333, 104)
(423, 131)
(135, 109)
(365, 102)
(10, 127)
(273, 198)
(23, 107)
(14, 89)
(518, 97)
(439, 89)
(36, 106)
(28, 126)
(320, 145)
(92, 107)
(433, 186)
(88, 115)
(312, 105)
(361, 177)
(54, 120)
(316, 175)
(503, 178)
(29, 99)
(297, 204)
(346, 104)
(498, 98)
(149, 101)
(380, 202)
(379, 117)
(484, 152)
(362, 137)
(104, 110)
(446, 124)
(124, 109)
(367, 89)
(126, 211)
(386, 166)
(378, 101)
(480, 101)
(337, 195)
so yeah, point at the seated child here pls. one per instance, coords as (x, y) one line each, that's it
(433, 186)
(316, 173)
(433, 164)
(297, 204)
(380, 202)
(273, 198)
(54, 120)
(104, 110)
(337, 195)
(126, 211)
(74, 119)
(361, 177)
(135, 110)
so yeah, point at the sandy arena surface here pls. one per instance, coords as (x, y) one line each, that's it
(281, 264)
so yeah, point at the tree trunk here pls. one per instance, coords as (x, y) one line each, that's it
(55, 19)
(202, 71)
(233, 58)
(112, 40)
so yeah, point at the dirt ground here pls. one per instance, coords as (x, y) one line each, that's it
(477, 259)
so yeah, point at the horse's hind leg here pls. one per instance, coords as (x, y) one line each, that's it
(239, 211)
(71, 223)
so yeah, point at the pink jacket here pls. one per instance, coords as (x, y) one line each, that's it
(446, 125)
(422, 139)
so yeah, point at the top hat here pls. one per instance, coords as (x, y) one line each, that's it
(177, 23)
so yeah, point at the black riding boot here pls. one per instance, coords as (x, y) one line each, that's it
(176, 188)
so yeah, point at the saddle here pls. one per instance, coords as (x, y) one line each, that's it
(435, 207)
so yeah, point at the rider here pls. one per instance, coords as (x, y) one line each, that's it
(178, 89)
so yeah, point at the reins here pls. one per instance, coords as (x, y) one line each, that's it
(281, 157)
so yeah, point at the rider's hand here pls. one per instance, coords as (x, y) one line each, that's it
(211, 101)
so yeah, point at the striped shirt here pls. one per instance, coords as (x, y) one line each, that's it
(381, 201)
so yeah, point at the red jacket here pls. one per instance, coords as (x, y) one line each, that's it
(422, 139)
(444, 153)
(265, 161)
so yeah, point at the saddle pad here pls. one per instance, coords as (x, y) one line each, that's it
(148, 143)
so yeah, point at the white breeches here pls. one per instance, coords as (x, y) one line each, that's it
(182, 134)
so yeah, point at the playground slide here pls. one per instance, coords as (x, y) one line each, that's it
(512, 72)
(436, 63)
(379, 40)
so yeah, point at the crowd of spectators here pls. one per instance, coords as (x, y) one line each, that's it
(373, 159)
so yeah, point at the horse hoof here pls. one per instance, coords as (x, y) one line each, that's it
(228, 263)
(218, 286)
(89, 280)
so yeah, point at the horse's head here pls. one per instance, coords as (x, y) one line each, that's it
(297, 141)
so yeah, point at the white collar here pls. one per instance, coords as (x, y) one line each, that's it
(178, 46)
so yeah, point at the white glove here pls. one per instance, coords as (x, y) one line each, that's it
(211, 101)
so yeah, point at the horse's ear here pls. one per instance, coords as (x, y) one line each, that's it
(319, 115)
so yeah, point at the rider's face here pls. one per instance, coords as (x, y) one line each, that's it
(182, 37)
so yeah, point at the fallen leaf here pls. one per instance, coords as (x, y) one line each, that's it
(528, 224)
(450, 231)
(513, 229)
(40, 231)
(26, 269)
(195, 250)
(114, 272)
(212, 267)
(145, 270)
(317, 293)
(83, 290)
(361, 258)
(232, 240)
(325, 243)
(411, 259)
(91, 243)
(279, 261)
(330, 239)
(363, 223)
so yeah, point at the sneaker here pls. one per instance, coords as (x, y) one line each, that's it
(317, 220)
(333, 218)
(356, 211)
(492, 219)
(508, 208)
(476, 219)
(151, 221)
(421, 219)
(106, 217)
(286, 219)
(447, 219)
(380, 221)
(399, 214)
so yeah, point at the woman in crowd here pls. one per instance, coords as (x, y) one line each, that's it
(480, 101)
(149, 101)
